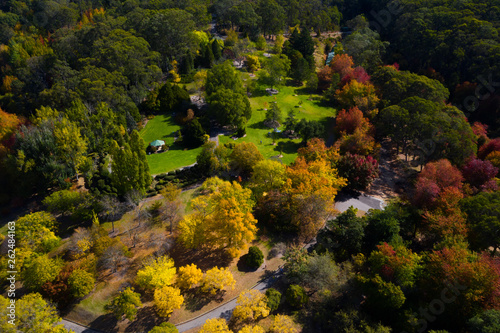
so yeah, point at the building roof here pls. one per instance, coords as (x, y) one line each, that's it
(157, 143)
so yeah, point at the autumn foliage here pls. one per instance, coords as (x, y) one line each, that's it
(348, 121)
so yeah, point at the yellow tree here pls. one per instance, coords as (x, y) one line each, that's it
(156, 274)
(216, 325)
(188, 276)
(251, 305)
(216, 279)
(283, 324)
(268, 175)
(250, 329)
(71, 146)
(167, 299)
(222, 218)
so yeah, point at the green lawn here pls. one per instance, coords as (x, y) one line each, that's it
(163, 127)
(257, 132)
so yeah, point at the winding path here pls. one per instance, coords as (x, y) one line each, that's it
(362, 202)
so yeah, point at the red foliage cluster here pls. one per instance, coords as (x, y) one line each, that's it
(359, 74)
(347, 122)
(486, 149)
(359, 170)
(434, 178)
(479, 174)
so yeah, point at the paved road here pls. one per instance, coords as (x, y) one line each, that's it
(361, 202)
(77, 328)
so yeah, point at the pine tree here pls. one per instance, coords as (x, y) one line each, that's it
(187, 64)
(209, 57)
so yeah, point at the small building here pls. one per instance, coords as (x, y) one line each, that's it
(158, 144)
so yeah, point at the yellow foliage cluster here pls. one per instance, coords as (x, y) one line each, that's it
(188, 276)
(221, 219)
(167, 299)
(251, 305)
(216, 279)
(283, 324)
(250, 329)
(156, 274)
(216, 325)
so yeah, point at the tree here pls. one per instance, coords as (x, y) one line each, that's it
(322, 273)
(273, 116)
(188, 276)
(343, 235)
(230, 108)
(216, 325)
(81, 283)
(347, 122)
(40, 269)
(360, 171)
(34, 314)
(36, 231)
(261, 44)
(157, 273)
(253, 63)
(283, 324)
(342, 64)
(167, 299)
(254, 258)
(434, 178)
(125, 304)
(466, 276)
(251, 305)
(296, 296)
(272, 15)
(244, 157)
(164, 328)
(221, 219)
(194, 135)
(365, 47)
(268, 175)
(278, 44)
(358, 94)
(396, 264)
(273, 299)
(487, 321)
(381, 296)
(250, 329)
(309, 129)
(483, 220)
(382, 226)
(223, 76)
(291, 120)
(216, 49)
(275, 70)
(216, 279)
(479, 174)
(300, 71)
(212, 159)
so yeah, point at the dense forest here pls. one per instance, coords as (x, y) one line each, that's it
(82, 81)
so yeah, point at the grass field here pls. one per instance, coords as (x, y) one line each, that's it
(163, 127)
(288, 98)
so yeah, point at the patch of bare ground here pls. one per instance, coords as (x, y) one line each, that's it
(394, 173)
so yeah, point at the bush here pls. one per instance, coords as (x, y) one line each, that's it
(254, 258)
(273, 299)
(296, 296)
(81, 283)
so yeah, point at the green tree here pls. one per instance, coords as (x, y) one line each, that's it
(296, 296)
(223, 76)
(276, 68)
(230, 108)
(125, 304)
(273, 299)
(244, 157)
(485, 322)
(194, 135)
(483, 220)
(261, 44)
(164, 328)
(274, 115)
(81, 283)
(268, 175)
(273, 16)
(254, 258)
(216, 49)
(40, 269)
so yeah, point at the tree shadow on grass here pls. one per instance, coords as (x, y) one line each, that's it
(287, 147)
(203, 258)
(146, 319)
(195, 299)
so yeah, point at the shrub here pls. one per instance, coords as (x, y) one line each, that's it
(255, 257)
(296, 296)
(273, 299)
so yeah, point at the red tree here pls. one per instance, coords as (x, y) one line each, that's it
(349, 121)
(486, 149)
(479, 174)
(359, 170)
(434, 178)
(359, 74)
(342, 64)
